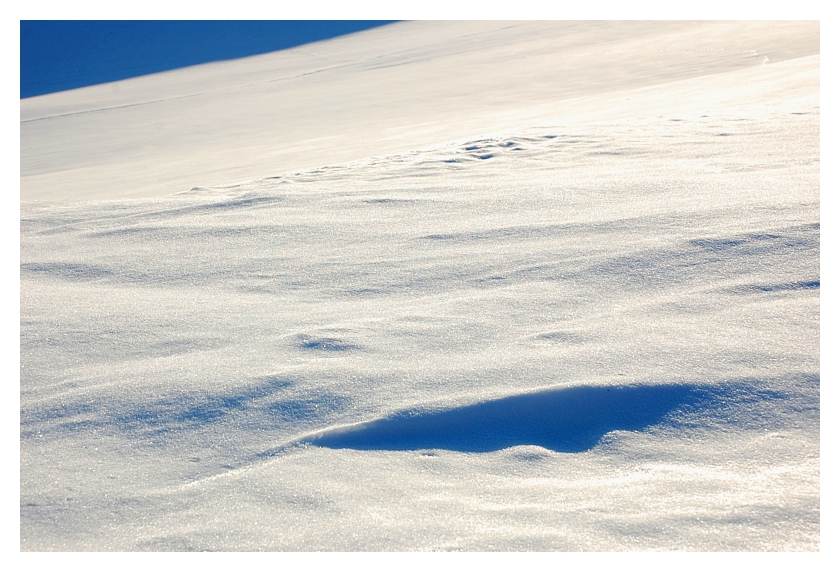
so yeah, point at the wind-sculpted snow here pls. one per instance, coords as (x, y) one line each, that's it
(580, 335)
(567, 420)
(410, 85)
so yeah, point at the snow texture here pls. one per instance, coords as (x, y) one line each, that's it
(589, 321)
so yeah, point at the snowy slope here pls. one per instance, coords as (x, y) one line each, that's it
(386, 90)
(583, 315)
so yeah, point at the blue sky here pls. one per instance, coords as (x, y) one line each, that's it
(57, 55)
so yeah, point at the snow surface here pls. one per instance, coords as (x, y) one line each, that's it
(479, 286)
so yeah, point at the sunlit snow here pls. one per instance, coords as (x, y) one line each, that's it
(433, 286)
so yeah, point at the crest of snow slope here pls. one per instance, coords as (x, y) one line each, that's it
(594, 333)
(399, 87)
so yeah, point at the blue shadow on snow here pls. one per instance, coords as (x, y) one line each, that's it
(568, 420)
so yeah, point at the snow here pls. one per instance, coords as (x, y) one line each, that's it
(383, 91)
(433, 286)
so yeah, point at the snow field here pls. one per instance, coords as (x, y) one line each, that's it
(182, 355)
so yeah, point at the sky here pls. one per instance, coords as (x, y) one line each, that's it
(58, 55)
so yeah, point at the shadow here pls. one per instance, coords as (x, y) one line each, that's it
(265, 399)
(325, 344)
(197, 411)
(568, 420)
(786, 287)
(66, 270)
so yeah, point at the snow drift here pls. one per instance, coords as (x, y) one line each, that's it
(488, 286)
